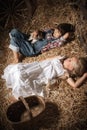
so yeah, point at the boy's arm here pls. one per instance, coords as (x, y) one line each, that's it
(66, 35)
(77, 83)
(62, 39)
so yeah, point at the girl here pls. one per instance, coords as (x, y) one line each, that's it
(27, 79)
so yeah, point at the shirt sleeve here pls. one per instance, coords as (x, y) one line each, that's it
(53, 44)
(61, 41)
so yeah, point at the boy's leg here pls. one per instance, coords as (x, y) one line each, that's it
(19, 35)
(15, 38)
(16, 57)
(18, 45)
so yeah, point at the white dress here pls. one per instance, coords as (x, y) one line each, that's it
(27, 79)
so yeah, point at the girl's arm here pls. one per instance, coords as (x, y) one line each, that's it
(50, 58)
(77, 83)
(59, 57)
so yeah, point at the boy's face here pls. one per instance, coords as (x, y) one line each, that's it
(56, 33)
(70, 63)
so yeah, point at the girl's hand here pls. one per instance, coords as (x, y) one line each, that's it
(85, 75)
(79, 81)
(66, 75)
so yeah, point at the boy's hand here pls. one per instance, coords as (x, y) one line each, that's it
(66, 35)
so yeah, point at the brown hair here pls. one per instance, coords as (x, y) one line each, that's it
(66, 27)
(81, 67)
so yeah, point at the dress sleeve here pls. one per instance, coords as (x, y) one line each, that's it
(58, 67)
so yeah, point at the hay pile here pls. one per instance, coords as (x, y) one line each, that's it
(72, 104)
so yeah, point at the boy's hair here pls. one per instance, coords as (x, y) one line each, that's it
(65, 27)
(81, 68)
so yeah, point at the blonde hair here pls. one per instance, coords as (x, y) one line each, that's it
(81, 66)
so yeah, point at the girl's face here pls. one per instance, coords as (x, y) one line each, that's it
(70, 63)
(56, 33)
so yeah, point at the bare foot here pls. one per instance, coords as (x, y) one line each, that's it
(12, 99)
(16, 61)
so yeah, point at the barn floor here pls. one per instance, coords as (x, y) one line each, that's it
(72, 104)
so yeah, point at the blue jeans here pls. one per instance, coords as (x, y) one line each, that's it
(39, 45)
(20, 40)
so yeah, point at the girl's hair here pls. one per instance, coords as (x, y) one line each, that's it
(81, 66)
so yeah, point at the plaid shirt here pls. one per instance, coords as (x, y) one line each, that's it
(52, 44)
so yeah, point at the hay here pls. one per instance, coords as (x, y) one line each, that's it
(72, 104)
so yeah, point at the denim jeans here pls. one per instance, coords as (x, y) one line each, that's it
(20, 40)
(39, 45)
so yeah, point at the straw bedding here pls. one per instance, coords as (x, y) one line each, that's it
(72, 104)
